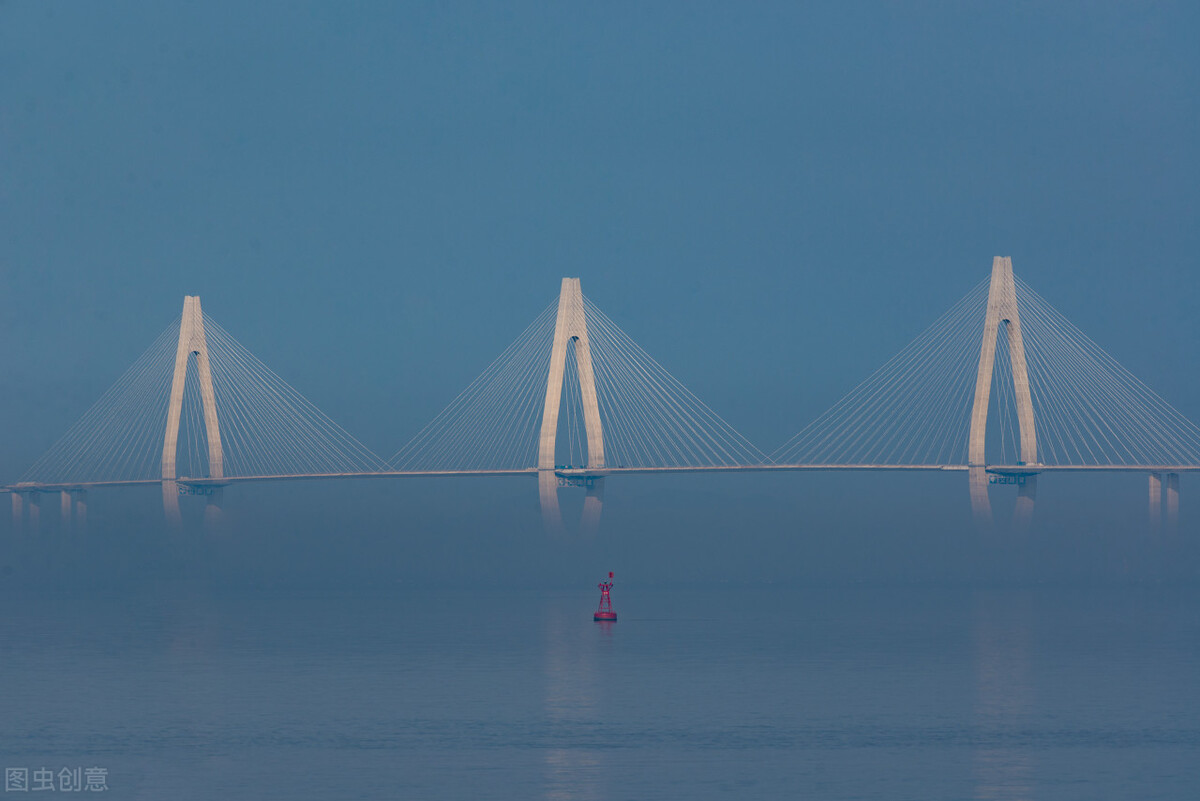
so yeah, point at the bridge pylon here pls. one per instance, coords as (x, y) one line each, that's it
(1002, 315)
(570, 330)
(192, 341)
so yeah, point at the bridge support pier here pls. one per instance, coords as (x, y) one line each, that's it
(1172, 501)
(1155, 501)
(170, 496)
(548, 495)
(64, 510)
(981, 505)
(1026, 495)
(80, 514)
(35, 512)
(18, 511)
(212, 509)
(593, 504)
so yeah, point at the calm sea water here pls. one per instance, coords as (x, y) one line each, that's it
(697, 693)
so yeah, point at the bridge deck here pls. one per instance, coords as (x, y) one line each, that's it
(573, 472)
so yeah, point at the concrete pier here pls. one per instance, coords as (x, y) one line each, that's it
(1026, 495)
(548, 498)
(593, 504)
(35, 512)
(981, 504)
(1172, 481)
(170, 497)
(80, 514)
(213, 512)
(1155, 501)
(64, 510)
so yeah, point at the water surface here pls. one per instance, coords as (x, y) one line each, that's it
(699, 692)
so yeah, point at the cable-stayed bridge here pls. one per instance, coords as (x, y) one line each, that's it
(1001, 387)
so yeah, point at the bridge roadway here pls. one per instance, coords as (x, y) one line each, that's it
(584, 473)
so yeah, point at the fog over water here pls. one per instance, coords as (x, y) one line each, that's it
(772, 201)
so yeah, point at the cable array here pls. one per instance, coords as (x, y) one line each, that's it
(915, 409)
(120, 437)
(1089, 409)
(266, 427)
(648, 418)
(494, 423)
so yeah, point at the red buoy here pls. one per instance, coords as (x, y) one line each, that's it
(605, 611)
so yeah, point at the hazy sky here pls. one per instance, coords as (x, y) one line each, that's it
(771, 199)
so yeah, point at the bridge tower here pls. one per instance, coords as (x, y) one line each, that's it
(1002, 316)
(570, 330)
(191, 342)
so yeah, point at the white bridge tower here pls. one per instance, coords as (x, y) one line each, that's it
(570, 330)
(192, 342)
(1002, 316)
